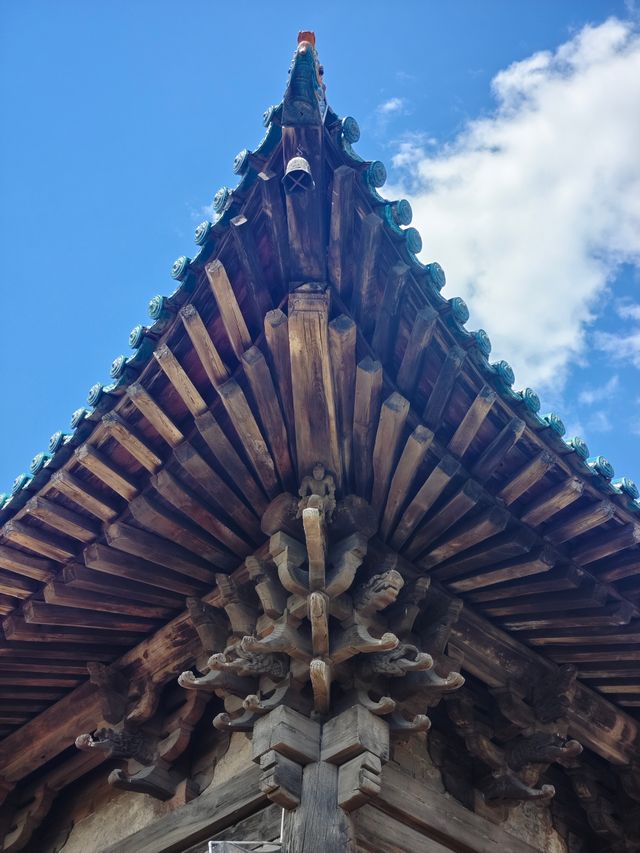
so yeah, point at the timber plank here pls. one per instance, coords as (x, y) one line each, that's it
(62, 519)
(59, 593)
(27, 565)
(552, 501)
(468, 497)
(36, 539)
(258, 295)
(273, 208)
(506, 546)
(80, 577)
(609, 543)
(37, 613)
(538, 563)
(366, 409)
(466, 534)
(123, 565)
(530, 473)
(364, 285)
(16, 585)
(581, 522)
(17, 628)
(443, 387)
(387, 313)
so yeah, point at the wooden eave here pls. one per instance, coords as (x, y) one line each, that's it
(82, 575)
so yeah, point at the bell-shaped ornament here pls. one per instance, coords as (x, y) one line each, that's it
(297, 176)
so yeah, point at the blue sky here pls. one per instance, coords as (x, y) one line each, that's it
(513, 127)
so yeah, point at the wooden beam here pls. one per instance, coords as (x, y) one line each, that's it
(427, 495)
(562, 578)
(157, 519)
(62, 595)
(366, 409)
(145, 545)
(132, 442)
(526, 477)
(466, 534)
(177, 376)
(587, 597)
(606, 545)
(413, 455)
(273, 209)
(364, 284)
(312, 383)
(230, 461)
(605, 617)
(26, 564)
(16, 586)
(393, 416)
(511, 569)
(248, 432)
(16, 628)
(581, 522)
(467, 497)
(258, 296)
(187, 502)
(37, 613)
(125, 566)
(62, 519)
(419, 339)
(216, 489)
(230, 313)
(36, 539)
(209, 356)
(507, 546)
(441, 391)
(340, 253)
(101, 467)
(497, 450)
(264, 394)
(84, 495)
(156, 416)
(472, 421)
(552, 501)
(276, 332)
(82, 578)
(342, 348)
(387, 312)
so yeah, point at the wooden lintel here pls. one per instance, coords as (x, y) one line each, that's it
(312, 383)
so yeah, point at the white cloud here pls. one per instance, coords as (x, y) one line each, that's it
(619, 346)
(393, 105)
(532, 210)
(599, 422)
(589, 396)
(628, 310)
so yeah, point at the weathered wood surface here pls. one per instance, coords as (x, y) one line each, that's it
(366, 409)
(342, 347)
(312, 382)
(216, 808)
(340, 260)
(419, 339)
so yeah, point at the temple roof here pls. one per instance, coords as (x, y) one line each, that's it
(158, 488)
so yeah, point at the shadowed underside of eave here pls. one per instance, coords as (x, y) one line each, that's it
(256, 374)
